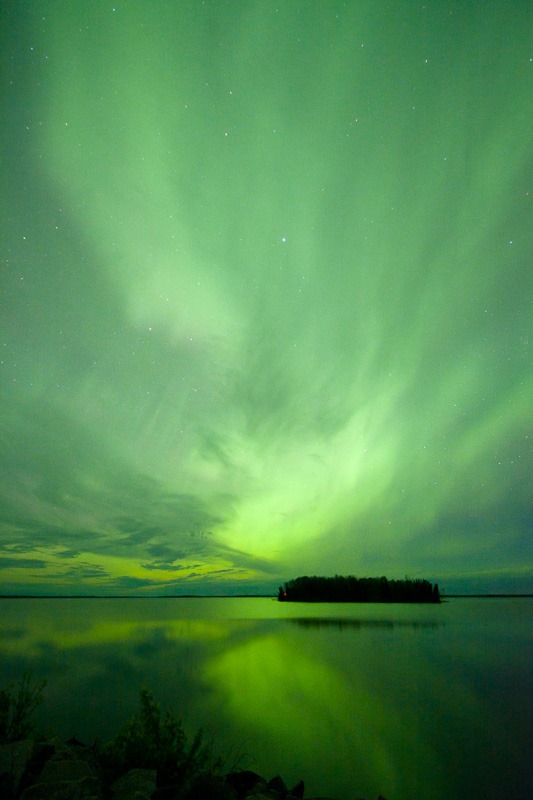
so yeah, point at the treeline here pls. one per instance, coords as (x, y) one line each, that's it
(348, 589)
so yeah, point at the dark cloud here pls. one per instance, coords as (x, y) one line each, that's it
(227, 570)
(132, 514)
(164, 552)
(81, 571)
(169, 566)
(125, 582)
(22, 563)
(247, 561)
(14, 547)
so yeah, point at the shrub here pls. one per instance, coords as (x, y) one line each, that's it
(17, 704)
(153, 741)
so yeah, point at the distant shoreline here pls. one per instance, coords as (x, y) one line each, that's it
(203, 597)
(486, 595)
(128, 596)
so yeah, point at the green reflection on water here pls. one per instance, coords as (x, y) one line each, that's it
(296, 702)
(410, 702)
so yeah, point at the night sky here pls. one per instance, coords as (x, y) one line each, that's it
(266, 293)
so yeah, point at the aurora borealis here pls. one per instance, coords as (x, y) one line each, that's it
(266, 294)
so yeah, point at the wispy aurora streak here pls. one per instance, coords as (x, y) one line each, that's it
(267, 295)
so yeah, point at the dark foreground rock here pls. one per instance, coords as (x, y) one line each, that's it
(54, 770)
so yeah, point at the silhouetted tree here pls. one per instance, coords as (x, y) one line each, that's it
(349, 589)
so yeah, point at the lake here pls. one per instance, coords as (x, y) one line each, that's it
(429, 702)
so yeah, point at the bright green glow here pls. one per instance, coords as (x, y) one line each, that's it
(273, 691)
(268, 294)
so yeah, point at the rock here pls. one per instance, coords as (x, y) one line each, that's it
(14, 759)
(139, 782)
(64, 776)
(298, 790)
(55, 770)
(63, 790)
(244, 782)
(277, 784)
(73, 750)
(205, 786)
(264, 794)
(42, 751)
(65, 770)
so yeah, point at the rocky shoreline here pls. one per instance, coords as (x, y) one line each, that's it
(37, 769)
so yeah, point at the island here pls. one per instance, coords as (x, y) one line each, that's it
(349, 589)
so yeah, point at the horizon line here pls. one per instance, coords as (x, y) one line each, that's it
(184, 596)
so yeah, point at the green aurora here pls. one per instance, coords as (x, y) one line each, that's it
(266, 294)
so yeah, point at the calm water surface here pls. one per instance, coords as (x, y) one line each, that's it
(410, 701)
